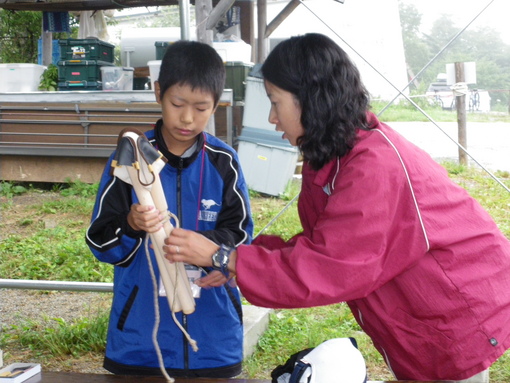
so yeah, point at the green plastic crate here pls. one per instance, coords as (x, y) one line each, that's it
(237, 72)
(86, 49)
(161, 48)
(79, 85)
(80, 70)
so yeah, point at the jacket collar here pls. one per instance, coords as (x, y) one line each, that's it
(173, 160)
(326, 176)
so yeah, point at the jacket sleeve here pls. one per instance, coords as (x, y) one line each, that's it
(367, 232)
(109, 236)
(234, 225)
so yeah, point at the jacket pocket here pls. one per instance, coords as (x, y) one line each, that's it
(127, 308)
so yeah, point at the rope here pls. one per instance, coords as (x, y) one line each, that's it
(156, 314)
(157, 317)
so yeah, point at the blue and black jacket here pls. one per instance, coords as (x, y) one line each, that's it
(208, 193)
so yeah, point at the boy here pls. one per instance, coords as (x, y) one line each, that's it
(206, 190)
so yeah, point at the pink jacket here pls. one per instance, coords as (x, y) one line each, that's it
(422, 265)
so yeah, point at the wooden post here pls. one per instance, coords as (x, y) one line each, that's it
(203, 9)
(262, 23)
(280, 18)
(248, 24)
(460, 103)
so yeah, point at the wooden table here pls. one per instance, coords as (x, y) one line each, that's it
(72, 377)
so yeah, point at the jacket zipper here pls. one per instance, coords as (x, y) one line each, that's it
(179, 215)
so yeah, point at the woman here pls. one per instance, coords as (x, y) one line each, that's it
(423, 267)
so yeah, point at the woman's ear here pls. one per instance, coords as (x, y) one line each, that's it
(157, 90)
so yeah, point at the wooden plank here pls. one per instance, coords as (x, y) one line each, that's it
(51, 169)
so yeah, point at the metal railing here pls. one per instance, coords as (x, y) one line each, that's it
(25, 284)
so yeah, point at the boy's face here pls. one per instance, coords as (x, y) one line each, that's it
(185, 115)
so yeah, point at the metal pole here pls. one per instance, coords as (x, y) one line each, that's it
(184, 19)
(25, 284)
(46, 48)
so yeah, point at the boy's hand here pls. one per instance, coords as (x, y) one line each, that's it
(146, 218)
(214, 279)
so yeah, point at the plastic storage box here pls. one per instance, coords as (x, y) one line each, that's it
(237, 72)
(20, 77)
(257, 105)
(80, 70)
(79, 85)
(268, 161)
(117, 78)
(161, 48)
(86, 49)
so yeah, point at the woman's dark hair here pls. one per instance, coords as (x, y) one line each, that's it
(195, 64)
(328, 87)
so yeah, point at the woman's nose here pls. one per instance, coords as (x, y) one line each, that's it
(272, 117)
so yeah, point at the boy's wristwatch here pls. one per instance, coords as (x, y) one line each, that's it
(220, 259)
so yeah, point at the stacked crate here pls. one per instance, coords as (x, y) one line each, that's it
(80, 63)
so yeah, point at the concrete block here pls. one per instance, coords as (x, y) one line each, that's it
(256, 321)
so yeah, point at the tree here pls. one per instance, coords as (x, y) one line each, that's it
(482, 45)
(415, 49)
(20, 31)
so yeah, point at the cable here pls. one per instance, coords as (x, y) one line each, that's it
(409, 99)
(435, 57)
(277, 215)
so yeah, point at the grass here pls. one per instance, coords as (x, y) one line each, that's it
(44, 240)
(405, 111)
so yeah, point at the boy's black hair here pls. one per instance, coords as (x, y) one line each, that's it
(329, 90)
(195, 64)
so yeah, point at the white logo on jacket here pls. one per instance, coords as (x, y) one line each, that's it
(208, 203)
(206, 214)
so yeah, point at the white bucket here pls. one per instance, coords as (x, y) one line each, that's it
(117, 78)
(154, 66)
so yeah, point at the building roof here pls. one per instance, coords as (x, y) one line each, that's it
(80, 5)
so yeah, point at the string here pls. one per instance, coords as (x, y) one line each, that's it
(157, 316)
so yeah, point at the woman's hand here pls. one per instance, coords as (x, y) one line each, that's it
(146, 218)
(189, 247)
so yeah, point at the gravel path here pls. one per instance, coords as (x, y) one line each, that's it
(17, 305)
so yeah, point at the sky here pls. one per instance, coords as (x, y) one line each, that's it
(461, 11)
(495, 15)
